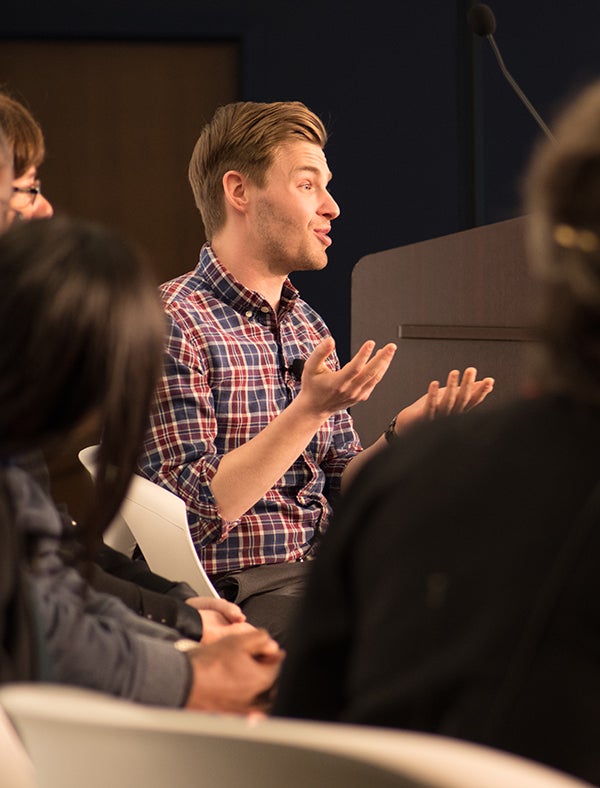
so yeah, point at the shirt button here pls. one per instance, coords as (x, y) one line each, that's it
(264, 309)
(249, 313)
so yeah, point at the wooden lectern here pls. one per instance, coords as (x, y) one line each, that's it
(461, 300)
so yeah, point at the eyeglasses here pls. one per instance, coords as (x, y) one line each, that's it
(31, 192)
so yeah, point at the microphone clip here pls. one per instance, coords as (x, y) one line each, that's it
(296, 368)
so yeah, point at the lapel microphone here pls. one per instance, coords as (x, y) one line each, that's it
(296, 368)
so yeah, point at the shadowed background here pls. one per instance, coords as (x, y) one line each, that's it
(426, 136)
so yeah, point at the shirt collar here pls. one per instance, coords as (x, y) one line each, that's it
(216, 278)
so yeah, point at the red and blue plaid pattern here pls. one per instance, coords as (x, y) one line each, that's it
(226, 377)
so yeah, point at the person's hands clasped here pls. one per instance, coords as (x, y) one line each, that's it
(236, 674)
(219, 617)
(457, 396)
(327, 391)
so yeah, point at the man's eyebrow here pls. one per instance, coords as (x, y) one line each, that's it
(312, 169)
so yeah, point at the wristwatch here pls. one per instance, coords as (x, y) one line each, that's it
(390, 433)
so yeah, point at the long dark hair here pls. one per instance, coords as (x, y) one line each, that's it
(82, 335)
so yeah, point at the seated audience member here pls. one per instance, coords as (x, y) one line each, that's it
(26, 141)
(457, 590)
(152, 596)
(82, 341)
(251, 426)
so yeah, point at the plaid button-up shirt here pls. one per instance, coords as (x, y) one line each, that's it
(226, 377)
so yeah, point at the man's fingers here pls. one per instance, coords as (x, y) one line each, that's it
(362, 363)
(465, 389)
(372, 371)
(449, 392)
(315, 363)
(260, 644)
(360, 358)
(480, 391)
(462, 395)
(431, 401)
(362, 373)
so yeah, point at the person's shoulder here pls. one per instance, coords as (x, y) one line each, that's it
(310, 315)
(188, 303)
(179, 288)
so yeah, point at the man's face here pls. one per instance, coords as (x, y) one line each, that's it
(6, 181)
(291, 215)
(25, 200)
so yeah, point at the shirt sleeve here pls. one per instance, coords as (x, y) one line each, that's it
(137, 571)
(179, 451)
(345, 445)
(93, 640)
(169, 610)
(90, 639)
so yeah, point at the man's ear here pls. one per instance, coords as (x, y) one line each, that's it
(235, 189)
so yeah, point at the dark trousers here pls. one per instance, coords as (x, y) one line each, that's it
(268, 595)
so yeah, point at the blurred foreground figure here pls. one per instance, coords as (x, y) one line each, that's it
(457, 590)
(83, 333)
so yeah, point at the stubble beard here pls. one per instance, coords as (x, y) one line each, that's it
(283, 260)
(279, 258)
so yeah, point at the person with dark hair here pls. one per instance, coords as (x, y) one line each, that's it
(457, 590)
(152, 596)
(82, 342)
(251, 426)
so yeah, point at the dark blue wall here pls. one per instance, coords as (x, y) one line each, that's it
(427, 138)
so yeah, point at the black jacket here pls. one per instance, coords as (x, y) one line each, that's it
(457, 590)
(148, 594)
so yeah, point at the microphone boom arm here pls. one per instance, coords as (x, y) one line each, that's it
(518, 90)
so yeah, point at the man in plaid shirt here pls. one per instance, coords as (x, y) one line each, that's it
(250, 426)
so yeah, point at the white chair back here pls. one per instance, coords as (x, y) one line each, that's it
(16, 768)
(117, 535)
(78, 737)
(156, 519)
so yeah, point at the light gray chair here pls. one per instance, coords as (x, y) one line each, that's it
(16, 768)
(156, 519)
(79, 738)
